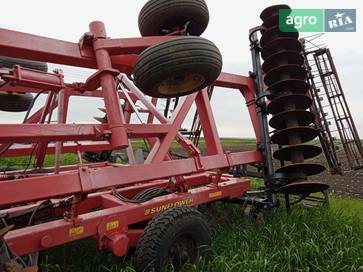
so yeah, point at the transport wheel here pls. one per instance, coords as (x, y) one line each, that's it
(177, 67)
(18, 102)
(15, 102)
(160, 17)
(10, 62)
(174, 238)
(97, 156)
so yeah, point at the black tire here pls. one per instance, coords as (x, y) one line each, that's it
(18, 102)
(97, 156)
(181, 228)
(10, 62)
(177, 67)
(159, 15)
(15, 102)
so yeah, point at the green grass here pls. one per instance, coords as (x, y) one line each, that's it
(23, 162)
(317, 239)
(308, 239)
(224, 141)
(67, 159)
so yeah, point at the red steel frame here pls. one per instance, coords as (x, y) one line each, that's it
(196, 180)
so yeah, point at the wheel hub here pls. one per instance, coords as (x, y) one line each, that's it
(182, 251)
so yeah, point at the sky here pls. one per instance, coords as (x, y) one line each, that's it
(228, 28)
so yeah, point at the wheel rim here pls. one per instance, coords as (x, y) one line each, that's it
(183, 250)
(180, 84)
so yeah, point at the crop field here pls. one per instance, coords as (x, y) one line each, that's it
(307, 239)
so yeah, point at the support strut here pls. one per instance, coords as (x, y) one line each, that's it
(264, 145)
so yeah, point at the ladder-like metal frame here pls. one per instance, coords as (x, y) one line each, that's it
(333, 117)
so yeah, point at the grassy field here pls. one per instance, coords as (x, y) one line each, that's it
(23, 162)
(224, 141)
(317, 239)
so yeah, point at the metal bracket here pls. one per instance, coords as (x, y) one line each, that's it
(260, 103)
(198, 162)
(229, 158)
(254, 42)
(86, 44)
(93, 82)
(85, 179)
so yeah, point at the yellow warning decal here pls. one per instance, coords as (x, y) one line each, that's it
(76, 231)
(215, 194)
(112, 225)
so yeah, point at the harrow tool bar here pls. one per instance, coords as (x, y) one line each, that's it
(83, 204)
(111, 202)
